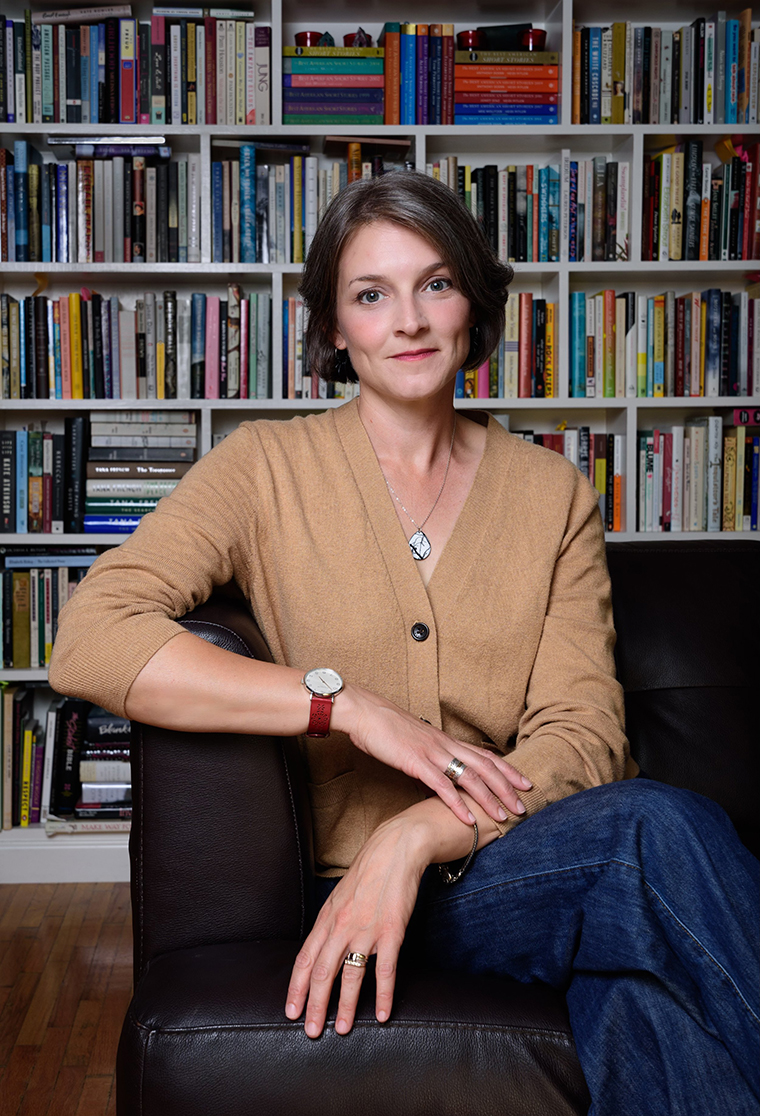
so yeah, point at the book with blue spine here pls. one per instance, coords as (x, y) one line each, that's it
(459, 385)
(578, 344)
(546, 113)
(650, 348)
(62, 207)
(197, 345)
(554, 215)
(247, 203)
(732, 70)
(10, 186)
(48, 92)
(216, 212)
(333, 65)
(21, 200)
(543, 215)
(111, 524)
(302, 95)
(408, 70)
(595, 75)
(572, 253)
(713, 301)
(46, 216)
(22, 481)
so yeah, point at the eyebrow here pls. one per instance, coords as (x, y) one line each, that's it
(382, 278)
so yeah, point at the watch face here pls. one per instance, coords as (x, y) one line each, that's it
(324, 681)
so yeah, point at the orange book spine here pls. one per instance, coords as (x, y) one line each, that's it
(354, 162)
(530, 203)
(525, 345)
(392, 45)
(576, 101)
(63, 309)
(617, 502)
(506, 85)
(704, 230)
(498, 73)
(609, 343)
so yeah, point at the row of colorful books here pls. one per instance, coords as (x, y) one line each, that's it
(54, 483)
(706, 72)
(75, 67)
(701, 476)
(86, 346)
(110, 204)
(600, 457)
(37, 602)
(697, 344)
(75, 764)
(693, 210)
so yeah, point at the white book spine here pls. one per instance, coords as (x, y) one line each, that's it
(182, 162)
(229, 24)
(127, 354)
(623, 203)
(756, 347)
(620, 337)
(117, 254)
(150, 345)
(288, 240)
(175, 54)
(628, 87)
(676, 499)
(714, 472)
(503, 216)
(708, 108)
(311, 168)
(34, 619)
(250, 73)
(21, 99)
(221, 72)
(571, 445)
(666, 75)
(322, 194)
(184, 325)
(664, 207)
(263, 325)
(47, 762)
(684, 110)
(151, 248)
(606, 84)
(263, 78)
(598, 342)
(444, 172)
(754, 71)
(590, 332)
(581, 208)
(108, 210)
(98, 212)
(200, 73)
(631, 358)
(564, 229)
(61, 78)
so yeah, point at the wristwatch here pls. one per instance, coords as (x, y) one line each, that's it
(324, 685)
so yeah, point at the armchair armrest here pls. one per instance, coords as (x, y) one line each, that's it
(220, 846)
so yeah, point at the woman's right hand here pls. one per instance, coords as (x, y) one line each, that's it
(395, 737)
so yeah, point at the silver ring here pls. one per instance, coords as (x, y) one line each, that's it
(358, 960)
(455, 770)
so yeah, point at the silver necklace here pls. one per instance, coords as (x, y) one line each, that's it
(419, 544)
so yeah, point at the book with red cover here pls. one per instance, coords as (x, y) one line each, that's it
(210, 39)
(525, 345)
(212, 347)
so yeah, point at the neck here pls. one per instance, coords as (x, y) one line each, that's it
(413, 436)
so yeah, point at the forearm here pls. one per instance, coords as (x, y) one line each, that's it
(440, 836)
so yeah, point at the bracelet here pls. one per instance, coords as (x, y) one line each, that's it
(445, 871)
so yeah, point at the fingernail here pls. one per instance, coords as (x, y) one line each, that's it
(470, 817)
(526, 782)
(382, 1016)
(312, 1030)
(502, 813)
(291, 1011)
(520, 808)
(341, 1026)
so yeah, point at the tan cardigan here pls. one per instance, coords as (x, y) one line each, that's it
(520, 651)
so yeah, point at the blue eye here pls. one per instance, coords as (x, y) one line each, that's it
(369, 298)
(437, 285)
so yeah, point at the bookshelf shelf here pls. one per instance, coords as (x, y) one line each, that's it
(29, 856)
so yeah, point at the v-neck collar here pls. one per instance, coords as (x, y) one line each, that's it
(463, 546)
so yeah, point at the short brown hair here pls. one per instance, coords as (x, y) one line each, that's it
(425, 206)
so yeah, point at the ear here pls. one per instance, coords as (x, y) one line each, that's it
(339, 340)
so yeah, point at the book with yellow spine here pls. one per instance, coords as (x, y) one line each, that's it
(297, 173)
(741, 444)
(658, 388)
(675, 248)
(618, 73)
(20, 619)
(729, 480)
(549, 352)
(26, 772)
(75, 343)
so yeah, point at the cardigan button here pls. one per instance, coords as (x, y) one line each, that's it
(420, 631)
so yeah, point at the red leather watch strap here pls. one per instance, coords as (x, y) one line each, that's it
(319, 716)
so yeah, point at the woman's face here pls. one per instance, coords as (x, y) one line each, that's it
(405, 325)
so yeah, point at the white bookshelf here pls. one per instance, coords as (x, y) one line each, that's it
(28, 855)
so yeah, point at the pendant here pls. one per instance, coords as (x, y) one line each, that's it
(419, 544)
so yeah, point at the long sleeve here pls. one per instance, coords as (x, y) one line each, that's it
(571, 734)
(126, 608)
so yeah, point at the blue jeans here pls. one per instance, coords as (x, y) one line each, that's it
(639, 903)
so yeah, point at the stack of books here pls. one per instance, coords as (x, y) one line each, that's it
(111, 204)
(701, 476)
(333, 85)
(600, 457)
(35, 583)
(86, 346)
(694, 210)
(706, 72)
(101, 66)
(105, 777)
(698, 344)
(506, 87)
(132, 436)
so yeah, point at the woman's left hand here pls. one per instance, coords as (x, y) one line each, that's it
(367, 912)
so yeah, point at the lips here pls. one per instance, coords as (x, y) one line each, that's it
(414, 354)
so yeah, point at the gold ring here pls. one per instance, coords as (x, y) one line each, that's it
(358, 960)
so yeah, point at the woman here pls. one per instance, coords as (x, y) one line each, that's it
(449, 584)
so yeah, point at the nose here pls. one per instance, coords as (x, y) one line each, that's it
(410, 317)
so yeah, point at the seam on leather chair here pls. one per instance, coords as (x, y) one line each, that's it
(419, 1025)
(298, 840)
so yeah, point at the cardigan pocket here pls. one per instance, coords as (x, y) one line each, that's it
(338, 817)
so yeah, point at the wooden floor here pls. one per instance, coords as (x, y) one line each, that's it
(65, 984)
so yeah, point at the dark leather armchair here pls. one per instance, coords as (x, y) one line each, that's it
(222, 889)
